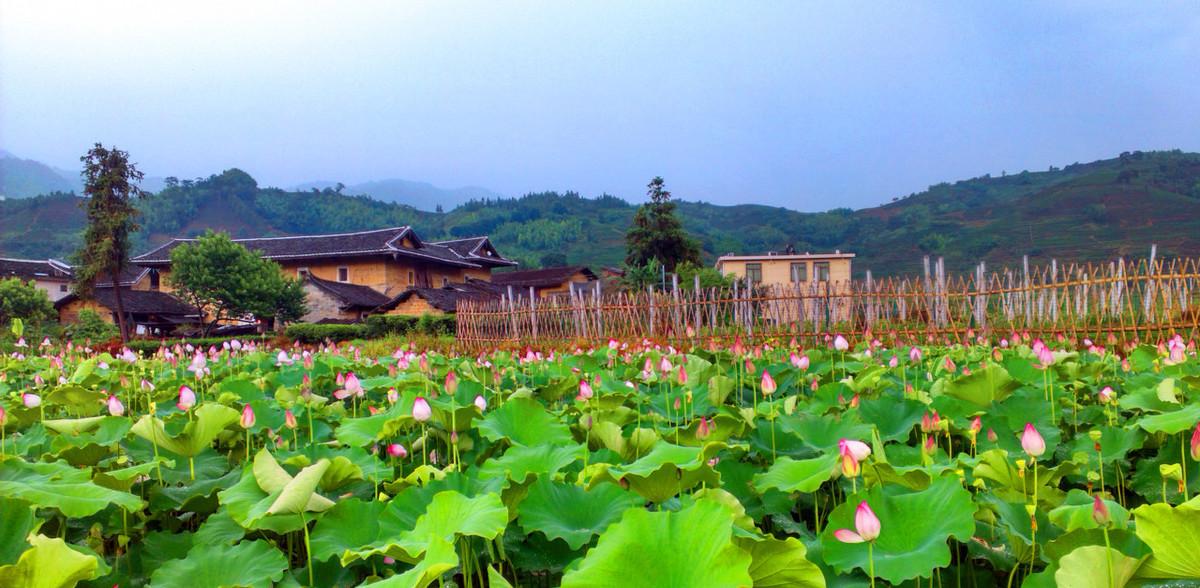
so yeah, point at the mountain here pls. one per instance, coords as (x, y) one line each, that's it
(1089, 212)
(22, 178)
(25, 178)
(420, 195)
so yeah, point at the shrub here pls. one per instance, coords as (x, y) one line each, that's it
(90, 327)
(437, 324)
(25, 301)
(314, 333)
(382, 325)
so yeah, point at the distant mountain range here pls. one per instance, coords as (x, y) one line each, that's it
(1083, 212)
(25, 178)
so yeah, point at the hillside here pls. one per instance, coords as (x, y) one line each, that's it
(1082, 212)
(23, 178)
(419, 195)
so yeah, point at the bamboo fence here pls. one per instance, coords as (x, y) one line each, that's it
(1131, 300)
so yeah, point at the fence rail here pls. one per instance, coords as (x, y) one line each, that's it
(1130, 299)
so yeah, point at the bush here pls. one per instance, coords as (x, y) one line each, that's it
(90, 327)
(437, 324)
(24, 300)
(314, 333)
(382, 325)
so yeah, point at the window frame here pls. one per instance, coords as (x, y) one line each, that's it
(346, 270)
(757, 269)
(302, 272)
(817, 267)
(801, 265)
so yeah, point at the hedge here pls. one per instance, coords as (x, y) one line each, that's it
(382, 325)
(314, 333)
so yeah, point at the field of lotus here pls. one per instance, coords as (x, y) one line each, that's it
(1012, 462)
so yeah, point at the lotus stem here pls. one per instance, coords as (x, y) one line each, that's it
(1112, 581)
(1183, 465)
(871, 561)
(307, 549)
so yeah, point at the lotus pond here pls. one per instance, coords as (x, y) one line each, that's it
(1012, 462)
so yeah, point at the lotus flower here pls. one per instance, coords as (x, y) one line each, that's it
(840, 343)
(858, 449)
(682, 376)
(1032, 442)
(451, 383)
(976, 425)
(420, 410)
(353, 386)
(247, 417)
(128, 356)
(3, 416)
(392, 395)
(914, 354)
(702, 429)
(768, 383)
(1106, 394)
(115, 408)
(1100, 512)
(21, 342)
(187, 398)
(284, 359)
(397, 450)
(480, 402)
(1195, 448)
(866, 526)
(991, 436)
(31, 400)
(585, 391)
(664, 365)
(949, 364)
(289, 419)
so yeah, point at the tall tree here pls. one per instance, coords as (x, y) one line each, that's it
(657, 232)
(110, 183)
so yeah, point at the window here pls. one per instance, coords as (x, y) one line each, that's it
(154, 280)
(62, 287)
(754, 273)
(343, 274)
(799, 272)
(412, 280)
(445, 281)
(302, 272)
(821, 271)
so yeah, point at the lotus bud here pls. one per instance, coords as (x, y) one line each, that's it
(858, 449)
(914, 354)
(421, 410)
(750, 369)
(866, 526)
(768, 383)
(702, 429)
(31, 400)
(451, 382)
(1032, 442)
(1100, 512)
(893, 362)
(289, 419)
(397, 450)
(991, 435)
(1195, 447)
(115, 408)
(248, 419)
(585, 391)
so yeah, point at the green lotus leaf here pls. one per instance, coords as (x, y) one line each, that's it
(789, 475)
(350, 525)
(124, 478)
(1076, 512)
(451, 514)
(781, 563)
(73, 427)
(17, 521)
(571, 512)
(692, 547)
(218, 528)
(77, 398)
(440, 558)
(664, 472)
(58, 485)
(1173, 534)
(893, 418)
(50, 563)
(299, 495)
(1087, 567)
(249, 563)
(208, 420)
(363, 431)
(914, 529)
(523, 421)
(520, 462)
(1171, 422)
(252, 502)
(823, 432)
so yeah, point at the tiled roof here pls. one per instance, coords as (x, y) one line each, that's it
(476, 249)
(30, 269)
(446, 298)
(541, 278)
(351, 295)
(138, 302)
(387, 242)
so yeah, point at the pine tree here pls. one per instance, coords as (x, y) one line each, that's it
(110, 183)
(658, 234)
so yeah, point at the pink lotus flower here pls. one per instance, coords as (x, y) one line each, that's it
(976, 425)
(702, 429)
(914, 354)
(480, 402)
(247, 417)
(421, 410)
(949, 364)
(289, 419)
(284, 359)
(115, 408)
(187, 398)
(682, 376)
(451, 382)
(585, 391)
(392, 395)
(893, 362)
(859, 450)
(664, 365)
(21, 342)
(840, 343)
(991, 435)
(866, 526)
(768, 383)
(1195, 447)
(31, 400)
(353, 386)
(397, 450)
(3, 416)
(1106, 394)
(1100, 512)
(1032, 442)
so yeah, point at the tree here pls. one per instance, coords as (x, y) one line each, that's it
(228, 281)
(110, 184)
(553, 259)
(657, 233)
(25, 301)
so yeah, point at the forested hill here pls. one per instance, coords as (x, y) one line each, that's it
(1082, 212)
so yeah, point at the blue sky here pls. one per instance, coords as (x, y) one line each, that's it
(806, 105)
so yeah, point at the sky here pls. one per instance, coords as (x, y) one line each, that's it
(805, 105)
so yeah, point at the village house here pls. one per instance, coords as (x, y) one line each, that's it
(348, 275)
(813, 286)
(546, 282)
(49, 275)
